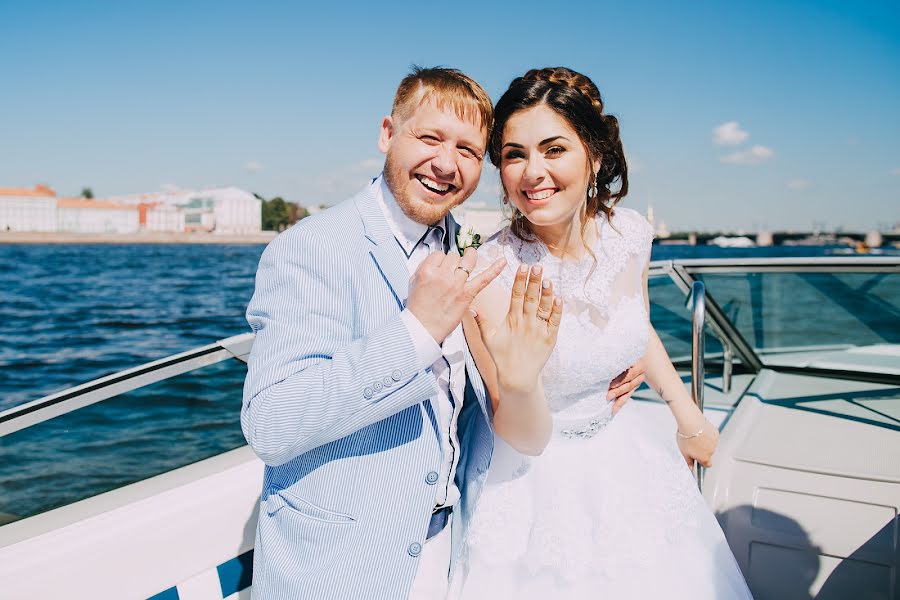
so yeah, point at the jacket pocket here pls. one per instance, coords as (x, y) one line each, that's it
(281, 499)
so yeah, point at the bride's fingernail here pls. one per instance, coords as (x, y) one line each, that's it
(536, 269)
(523, 268)
(545, 284)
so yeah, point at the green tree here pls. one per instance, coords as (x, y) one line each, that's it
(278, 214)
(275, 214)
(87, 192)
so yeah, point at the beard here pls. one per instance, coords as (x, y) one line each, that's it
(419, 210)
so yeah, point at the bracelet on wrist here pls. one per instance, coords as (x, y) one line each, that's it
(690, 437)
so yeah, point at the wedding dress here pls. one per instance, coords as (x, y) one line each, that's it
(610, 509)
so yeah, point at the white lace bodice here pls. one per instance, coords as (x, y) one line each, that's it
(604, 324)
(614, 514)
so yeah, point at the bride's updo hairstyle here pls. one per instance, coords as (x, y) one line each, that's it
(576, 99)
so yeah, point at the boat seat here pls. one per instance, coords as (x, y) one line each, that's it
(806, 486)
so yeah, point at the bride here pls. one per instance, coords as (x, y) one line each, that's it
(581, 502)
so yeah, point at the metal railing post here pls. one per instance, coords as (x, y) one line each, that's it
(698, 302)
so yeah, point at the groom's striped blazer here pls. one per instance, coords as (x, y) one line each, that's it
(337, 408)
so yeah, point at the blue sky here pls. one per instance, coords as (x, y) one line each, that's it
(285, 99)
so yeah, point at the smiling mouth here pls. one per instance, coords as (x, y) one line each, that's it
(540, 195)
(431, 185)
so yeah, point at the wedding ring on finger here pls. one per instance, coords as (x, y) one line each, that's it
(468, 272)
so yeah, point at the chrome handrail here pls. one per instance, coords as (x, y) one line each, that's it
(698, 301)
(719, 324)
(71, 399)
(727, 367)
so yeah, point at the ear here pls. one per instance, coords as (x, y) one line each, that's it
(596, 164)
(386, 134)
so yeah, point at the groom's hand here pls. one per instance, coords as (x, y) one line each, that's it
(621, 388)
(441, 289)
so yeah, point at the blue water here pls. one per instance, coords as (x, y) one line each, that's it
(72, 313)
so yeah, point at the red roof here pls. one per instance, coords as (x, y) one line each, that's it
(85, 203)
(40, 191)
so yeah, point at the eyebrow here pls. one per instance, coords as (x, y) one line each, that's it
(543, 142)
(473, 145)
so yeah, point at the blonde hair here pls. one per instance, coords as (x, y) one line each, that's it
(447, 88)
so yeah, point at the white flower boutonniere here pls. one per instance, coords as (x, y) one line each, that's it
(467, 238)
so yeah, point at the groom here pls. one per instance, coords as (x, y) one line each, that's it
(362, 397)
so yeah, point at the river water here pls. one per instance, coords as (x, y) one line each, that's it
(72, 313)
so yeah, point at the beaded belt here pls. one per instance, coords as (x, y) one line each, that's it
(583, 429)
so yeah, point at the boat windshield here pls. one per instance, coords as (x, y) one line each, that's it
(824, 319)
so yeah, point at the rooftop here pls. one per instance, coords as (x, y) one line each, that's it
(40, 190)
(85, 203)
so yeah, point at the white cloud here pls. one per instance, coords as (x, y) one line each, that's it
(799, 184)
(729, 134)
(895, 171)
(755, 155)
(253, 167)
(170, 187)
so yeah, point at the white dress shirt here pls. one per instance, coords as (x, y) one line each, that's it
(447, 360)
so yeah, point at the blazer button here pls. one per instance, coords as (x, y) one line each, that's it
(414, 549)
(368, 392)
(387, 381)
(377, 386)
(431, 478)
(395, 375)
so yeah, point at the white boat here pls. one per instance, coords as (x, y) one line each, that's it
(732, 242)
(798, 363)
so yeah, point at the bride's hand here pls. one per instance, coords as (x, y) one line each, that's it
(700, 447)
(521, 344)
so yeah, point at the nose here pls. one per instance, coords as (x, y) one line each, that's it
(535, 169)
(444, 162)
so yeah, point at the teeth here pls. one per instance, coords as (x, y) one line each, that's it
(434, 185)
(541, 195)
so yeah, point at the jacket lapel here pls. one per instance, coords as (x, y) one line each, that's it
(385, 250)
(391, 261)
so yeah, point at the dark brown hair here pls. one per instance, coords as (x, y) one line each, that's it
(575, 98)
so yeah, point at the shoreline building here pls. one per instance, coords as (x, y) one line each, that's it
(82, 215)
(22, 209)
(226, 210)
(159, 217)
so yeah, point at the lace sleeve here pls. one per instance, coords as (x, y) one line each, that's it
(636, 230)
(648, 234)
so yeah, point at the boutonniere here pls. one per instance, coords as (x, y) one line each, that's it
(467, 238)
